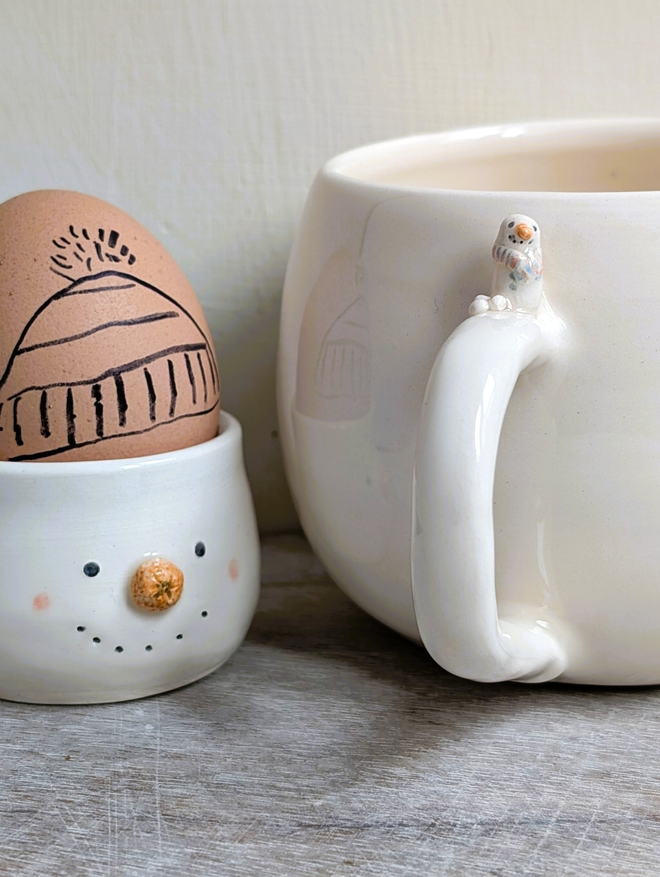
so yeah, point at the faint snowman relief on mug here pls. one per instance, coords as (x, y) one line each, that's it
(334, 350)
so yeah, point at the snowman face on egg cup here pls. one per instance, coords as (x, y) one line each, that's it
(124, 578)
(130, 556)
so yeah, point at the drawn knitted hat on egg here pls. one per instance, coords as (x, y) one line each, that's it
(131, 364)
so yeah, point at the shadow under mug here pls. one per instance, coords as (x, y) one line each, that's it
(488, 485)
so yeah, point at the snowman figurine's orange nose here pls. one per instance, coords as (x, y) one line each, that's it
(156, 585)
(524, 231)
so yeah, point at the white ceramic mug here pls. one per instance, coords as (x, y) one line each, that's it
(72, 536)
(529, 547)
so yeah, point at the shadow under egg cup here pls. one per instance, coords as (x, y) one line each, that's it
(72, 536)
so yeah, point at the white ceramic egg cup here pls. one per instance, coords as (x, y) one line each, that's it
(71, 537)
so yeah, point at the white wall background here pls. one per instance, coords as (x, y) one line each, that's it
(207, 119)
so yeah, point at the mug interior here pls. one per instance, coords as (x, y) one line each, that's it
(573, 156)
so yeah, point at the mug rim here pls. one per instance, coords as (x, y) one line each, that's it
(585, 132)
(229, 435)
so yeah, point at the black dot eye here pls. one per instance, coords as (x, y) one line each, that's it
(80, 628)
(91, 569)
(204, 614)
(179, 636)
(148, 648)
(119, 648)
(200, 549)
(96, 639)
(511, 224)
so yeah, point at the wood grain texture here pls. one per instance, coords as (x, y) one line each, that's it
(329, 745)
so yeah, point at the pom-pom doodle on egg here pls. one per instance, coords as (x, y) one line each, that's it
(104, 349)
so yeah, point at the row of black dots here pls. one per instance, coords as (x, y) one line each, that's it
(97, 639)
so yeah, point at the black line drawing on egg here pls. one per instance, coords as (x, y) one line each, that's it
(159, 385)
(87, 249)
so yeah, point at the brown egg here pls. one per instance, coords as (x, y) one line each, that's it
(104, 349)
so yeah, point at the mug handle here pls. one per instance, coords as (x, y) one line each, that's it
(453, 541)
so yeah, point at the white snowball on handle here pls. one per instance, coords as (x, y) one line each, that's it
(478, 306)
(499, 303)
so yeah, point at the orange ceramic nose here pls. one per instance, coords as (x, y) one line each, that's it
(156, 585)
(524, 231)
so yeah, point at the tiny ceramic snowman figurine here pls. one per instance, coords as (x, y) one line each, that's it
(518, 276)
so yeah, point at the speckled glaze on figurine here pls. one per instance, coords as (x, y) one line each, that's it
(518, 275)
(534, 432)
(79, 541)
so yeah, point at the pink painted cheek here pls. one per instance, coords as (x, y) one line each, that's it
(233, 569)
(41, 602)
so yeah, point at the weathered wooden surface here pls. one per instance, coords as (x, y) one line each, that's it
(330, 746)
